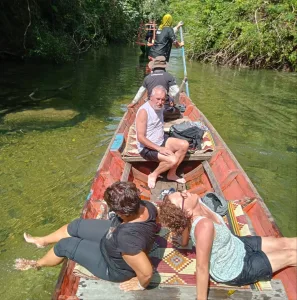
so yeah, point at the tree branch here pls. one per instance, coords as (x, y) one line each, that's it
(257, 19)
(25, 34)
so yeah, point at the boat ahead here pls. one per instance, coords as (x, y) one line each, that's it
(146, 36)
(214, 168)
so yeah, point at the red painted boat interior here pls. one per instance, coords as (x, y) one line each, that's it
(232, 180)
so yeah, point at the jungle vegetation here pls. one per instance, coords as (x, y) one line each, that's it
(254, 33)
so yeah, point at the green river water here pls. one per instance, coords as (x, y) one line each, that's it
(52, 143)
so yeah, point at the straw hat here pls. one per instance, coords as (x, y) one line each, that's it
(158, 62)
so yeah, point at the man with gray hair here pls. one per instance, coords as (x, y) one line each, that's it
(153, 144)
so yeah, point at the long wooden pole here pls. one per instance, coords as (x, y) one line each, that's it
(184, 60)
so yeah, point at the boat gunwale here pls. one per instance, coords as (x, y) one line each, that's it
(222, 146)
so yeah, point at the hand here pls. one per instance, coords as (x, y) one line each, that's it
(180, 23)
(185, 79)
(181, 44)
(130, 285)
(165, 151)
(131, 105)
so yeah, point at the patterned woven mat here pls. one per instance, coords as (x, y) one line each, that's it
(176, 265)
(207, 144)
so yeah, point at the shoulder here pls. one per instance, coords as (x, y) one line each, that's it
(151, 208)
(204, 225)
(168, 29)
(147, 78)
(142, 111)
(170, 77)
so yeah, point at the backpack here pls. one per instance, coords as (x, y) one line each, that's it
(189, 132)
(215, 203)
(171, 111)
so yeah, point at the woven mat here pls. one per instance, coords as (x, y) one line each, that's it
(177, 265)
(207, 144)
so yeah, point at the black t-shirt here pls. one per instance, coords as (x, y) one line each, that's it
(158, 77)
(163, 43)
(129, 238)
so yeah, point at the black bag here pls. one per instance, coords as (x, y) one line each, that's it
(171, 112)
(189, 132)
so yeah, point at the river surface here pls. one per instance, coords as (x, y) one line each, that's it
(56, 122)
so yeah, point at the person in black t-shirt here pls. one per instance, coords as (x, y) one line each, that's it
(159, 76)
(114, 250)
(165, 37)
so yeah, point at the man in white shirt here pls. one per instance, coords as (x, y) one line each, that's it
(153, 144)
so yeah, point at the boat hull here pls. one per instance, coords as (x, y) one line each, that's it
(224, 174)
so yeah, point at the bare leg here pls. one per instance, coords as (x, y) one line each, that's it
(49, 260)
(54, 237)
(282, 259)
(180, 155)
(163, 166)
(179, 148)
(271, 244)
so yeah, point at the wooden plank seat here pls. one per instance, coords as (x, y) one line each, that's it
(130, 153)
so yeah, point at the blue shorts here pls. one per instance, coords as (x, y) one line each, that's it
(256, 263)
(83, 246)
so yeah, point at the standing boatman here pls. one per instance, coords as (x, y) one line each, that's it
(165, 37)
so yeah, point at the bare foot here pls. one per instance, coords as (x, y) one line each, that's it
(177, 179)
(151, 181)
(23, 264)
(34, 240)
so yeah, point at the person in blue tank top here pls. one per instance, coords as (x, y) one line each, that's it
(228, 258)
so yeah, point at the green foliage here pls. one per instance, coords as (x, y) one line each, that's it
(155, 9)
(59, 30)
(257, 33)
(56, 46)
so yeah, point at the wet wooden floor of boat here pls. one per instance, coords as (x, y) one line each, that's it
(98, 289)
(163, 184)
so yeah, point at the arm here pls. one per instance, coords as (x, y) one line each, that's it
(185, 237)
(204, 234)
(182, 239)
(141, 123)
(181, 88)
(178, 44)
(138, 96)
(173, 91)
(176, 28)
(143, 269)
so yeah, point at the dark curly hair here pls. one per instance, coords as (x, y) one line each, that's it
(173, 217)
(123, 198)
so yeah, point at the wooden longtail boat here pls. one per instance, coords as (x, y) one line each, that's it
(216, 170)
(143, 29)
